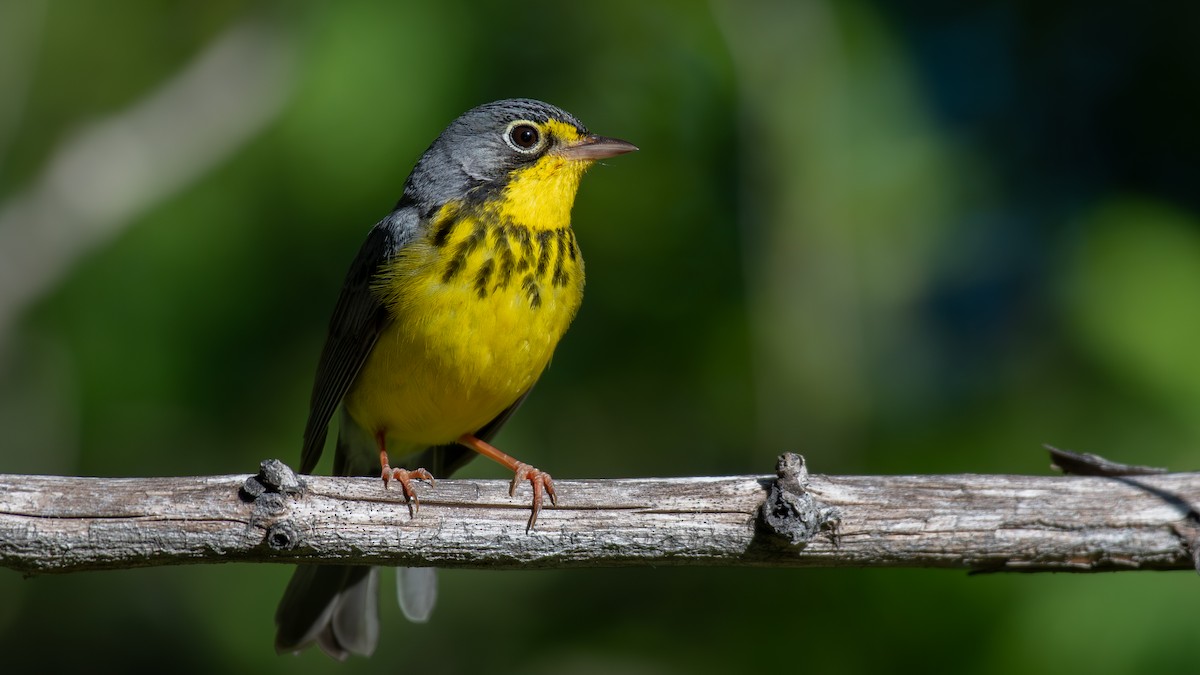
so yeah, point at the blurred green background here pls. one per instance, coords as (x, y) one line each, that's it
(898, 237)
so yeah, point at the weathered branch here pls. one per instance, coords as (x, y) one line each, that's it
(976, 522)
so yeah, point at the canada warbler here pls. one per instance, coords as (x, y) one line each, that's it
(448, 315)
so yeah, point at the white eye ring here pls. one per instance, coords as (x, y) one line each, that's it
(525, 137)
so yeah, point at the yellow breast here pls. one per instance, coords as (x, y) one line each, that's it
(478, 306)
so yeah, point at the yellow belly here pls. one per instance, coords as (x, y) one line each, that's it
(465, 342)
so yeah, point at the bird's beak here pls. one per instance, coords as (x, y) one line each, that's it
(592, 148)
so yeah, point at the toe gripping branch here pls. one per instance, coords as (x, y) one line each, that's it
(405, 478)
(541, 481)
(402, 476)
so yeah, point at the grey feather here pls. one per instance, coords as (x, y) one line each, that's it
(416, 590)
(335, 606)
(354, 626)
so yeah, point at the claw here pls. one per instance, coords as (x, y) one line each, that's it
(540, 481)
(405, 478)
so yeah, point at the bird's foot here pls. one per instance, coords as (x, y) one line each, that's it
(405, 477)
(541, 483)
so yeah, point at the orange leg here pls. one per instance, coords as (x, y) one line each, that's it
(540, 480)
(402, 476)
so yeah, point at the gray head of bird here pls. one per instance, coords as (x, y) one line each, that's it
(487, 146)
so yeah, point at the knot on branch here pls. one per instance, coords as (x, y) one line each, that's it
(269, 490)
(790, 511)
(282, 536)
(273, 478)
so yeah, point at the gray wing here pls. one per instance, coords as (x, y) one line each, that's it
(358, 319)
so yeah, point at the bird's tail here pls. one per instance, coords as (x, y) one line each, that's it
(337, 606)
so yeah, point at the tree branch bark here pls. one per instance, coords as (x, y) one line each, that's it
(976, 522)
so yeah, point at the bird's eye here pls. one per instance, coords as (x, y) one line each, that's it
(524, 137)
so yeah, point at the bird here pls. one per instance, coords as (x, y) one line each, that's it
(448, 315)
